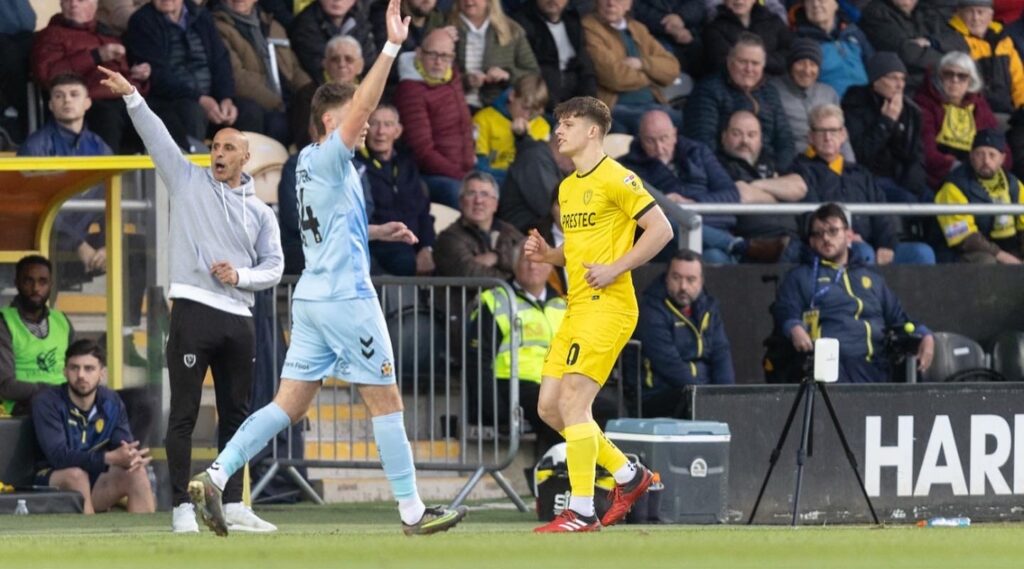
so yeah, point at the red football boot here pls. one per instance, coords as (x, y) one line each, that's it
(570, 521)
(625, 495)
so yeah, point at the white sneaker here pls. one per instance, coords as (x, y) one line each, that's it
(241, 518)
(184, 519)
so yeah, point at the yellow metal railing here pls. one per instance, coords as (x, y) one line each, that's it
(72, 175)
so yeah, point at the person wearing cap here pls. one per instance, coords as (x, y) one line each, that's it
(885, 130)
(829, 177)
(734, 17)
(982, 179)
(844, 47)
(952, 111)
(909, 28)
(800, 91)
(998, 60)
(741, 86)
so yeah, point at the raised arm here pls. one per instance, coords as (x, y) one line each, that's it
(172, 166)
(367, 95)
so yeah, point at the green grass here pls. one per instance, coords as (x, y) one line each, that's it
(368, 535)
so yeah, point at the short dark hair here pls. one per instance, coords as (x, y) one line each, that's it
(29, 260)
(689, 256)
(85, 348)
(827, 212)
(329, 96)
(588, 108)
(68, 79)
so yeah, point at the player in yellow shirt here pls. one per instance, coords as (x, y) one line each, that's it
(601, 203)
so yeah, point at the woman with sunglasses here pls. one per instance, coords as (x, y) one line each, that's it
(952, 111)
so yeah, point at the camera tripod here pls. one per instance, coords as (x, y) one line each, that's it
(806, 394)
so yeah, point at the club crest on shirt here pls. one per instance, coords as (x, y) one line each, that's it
(587, 195)
(632, 181)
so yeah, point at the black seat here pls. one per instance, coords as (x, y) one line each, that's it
(958, 358)
(1008, 355)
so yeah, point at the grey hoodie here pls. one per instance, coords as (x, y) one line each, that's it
(209, 223)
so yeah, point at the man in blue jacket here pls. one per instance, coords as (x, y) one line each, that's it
(87, 444)
(682, 335)
(834, 294)
(686, 171)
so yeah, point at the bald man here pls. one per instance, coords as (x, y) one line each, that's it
(224, 246)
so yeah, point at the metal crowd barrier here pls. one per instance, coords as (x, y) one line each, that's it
(688, 216)
(455, 419)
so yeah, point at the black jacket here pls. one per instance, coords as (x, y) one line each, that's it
(889, 29)
(399, 194)
(650, 13)
(888, 148)
(698, 176)
(578, 78)
(529, 185)
(714, 100)
(311, 30)
(757, 226)
(721, 33)
(148, 40)
(856, 185)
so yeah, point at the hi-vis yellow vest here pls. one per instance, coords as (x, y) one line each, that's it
(37, 360)
(537, 327)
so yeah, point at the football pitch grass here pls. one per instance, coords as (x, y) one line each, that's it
(368, 535)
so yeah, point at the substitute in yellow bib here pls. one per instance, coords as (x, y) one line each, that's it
(983, 180)
(601, 203)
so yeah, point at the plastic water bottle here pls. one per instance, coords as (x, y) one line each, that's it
(959, 522)
(21, 509)
(151, 474)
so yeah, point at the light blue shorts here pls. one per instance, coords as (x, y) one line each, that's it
(346, 339)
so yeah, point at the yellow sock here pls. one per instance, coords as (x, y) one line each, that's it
(609, 457)
(581, 456)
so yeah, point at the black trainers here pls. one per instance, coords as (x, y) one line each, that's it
(436, 519)
(207, 499)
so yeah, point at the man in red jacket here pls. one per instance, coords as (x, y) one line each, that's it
(433, 108)
(75, 43)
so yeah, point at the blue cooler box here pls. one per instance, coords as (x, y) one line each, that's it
(692, 458)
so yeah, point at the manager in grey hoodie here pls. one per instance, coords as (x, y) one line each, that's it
(225, 244)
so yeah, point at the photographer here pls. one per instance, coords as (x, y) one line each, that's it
(833, 294)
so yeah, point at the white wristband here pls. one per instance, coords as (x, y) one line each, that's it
(391, 49)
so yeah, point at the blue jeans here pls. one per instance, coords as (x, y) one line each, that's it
(444, 190)
(626, 118)
(716, 244)
(908, 253)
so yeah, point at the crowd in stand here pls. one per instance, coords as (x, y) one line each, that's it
(899, 87)
(739, 101)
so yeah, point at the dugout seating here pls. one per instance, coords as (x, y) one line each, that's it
(17, 461)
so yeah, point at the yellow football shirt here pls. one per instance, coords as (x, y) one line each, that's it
(599, 210)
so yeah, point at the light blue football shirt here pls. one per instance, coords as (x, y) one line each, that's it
(332, 220)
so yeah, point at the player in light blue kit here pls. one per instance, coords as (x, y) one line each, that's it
(338, 328)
